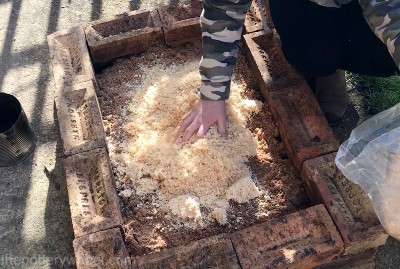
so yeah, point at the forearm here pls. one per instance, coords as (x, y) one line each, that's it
(383, 16)
(221, 24)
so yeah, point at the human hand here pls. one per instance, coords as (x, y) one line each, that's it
(202, 116)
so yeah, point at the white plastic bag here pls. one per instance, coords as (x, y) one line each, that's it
(371, 159)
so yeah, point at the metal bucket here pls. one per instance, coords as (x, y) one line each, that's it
(17, 139)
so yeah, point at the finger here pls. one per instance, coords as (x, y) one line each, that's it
(183, 125)
(190, 130)
(203, 130)
(221, 127)
(178, 133)
(186, 116)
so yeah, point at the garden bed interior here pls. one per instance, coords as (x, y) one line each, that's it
(149, 225)
(268, 196)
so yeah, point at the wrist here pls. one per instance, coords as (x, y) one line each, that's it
(205, 98)
(215, 91)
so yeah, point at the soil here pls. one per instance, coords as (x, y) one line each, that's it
(146, 227)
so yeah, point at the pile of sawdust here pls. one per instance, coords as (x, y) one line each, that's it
(194, 181)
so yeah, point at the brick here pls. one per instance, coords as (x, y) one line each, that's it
(303, 239)
(181, 23)
(92, 197)
(213, 252)
(270, 68)
(79, 118)
(349, 206)
(361, 260)
(302, 125)
(129, 33)
(70, 58)
(368, 265)
(105, 249)
(253, 21)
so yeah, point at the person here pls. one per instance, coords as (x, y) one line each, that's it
(320, 38)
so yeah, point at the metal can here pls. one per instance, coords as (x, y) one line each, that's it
(17, 138)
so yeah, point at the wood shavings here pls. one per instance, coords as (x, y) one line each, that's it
(205, 168)
(281, 189)
(243, 190)
(187, 209)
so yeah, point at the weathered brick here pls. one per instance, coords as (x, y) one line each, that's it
(368, 265)
(181, 23)
(303, 239)
(363, 260)
(79, 118)
(253, 20)
(302, 125)
(92, 197)
(349, 206)
(105, 249)
(123, 34)
(270, 68)
(213, 252)
(70, 58)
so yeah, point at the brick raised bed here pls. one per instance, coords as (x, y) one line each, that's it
(271, 70)
(105, 249)
(181, 24)
(91, 190)
(123, 35)
(253, 22)
(213, 252)
(300, 240)
(348, 205)
(70, 58)
(79, 118)
(302, 124)
(340, 231)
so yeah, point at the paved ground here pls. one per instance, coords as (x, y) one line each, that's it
(35, 225)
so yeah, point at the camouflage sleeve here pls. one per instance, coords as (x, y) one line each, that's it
(383, 16)
(221, 23)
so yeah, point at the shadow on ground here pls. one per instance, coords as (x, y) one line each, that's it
(35, 224)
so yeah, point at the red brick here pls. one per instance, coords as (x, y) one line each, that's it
(303, 239)
(270, 68)
(105, 249)
(213, 252)
(92, 196)
(361, 260)
(79, 118)
(70, 58)
(124, 34)
(303, 127)
(253, 20)
(349, 206)
(181, 23)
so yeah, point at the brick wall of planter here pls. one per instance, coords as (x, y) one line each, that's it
(339, 230)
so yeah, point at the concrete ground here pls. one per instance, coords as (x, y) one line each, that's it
(35, 224)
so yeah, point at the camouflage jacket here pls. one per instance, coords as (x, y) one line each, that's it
(222, 22)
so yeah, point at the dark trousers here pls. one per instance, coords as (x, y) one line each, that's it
(318, 40)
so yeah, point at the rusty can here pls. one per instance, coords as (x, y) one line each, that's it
(17, 138)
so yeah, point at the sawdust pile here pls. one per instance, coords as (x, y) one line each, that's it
(195, 181)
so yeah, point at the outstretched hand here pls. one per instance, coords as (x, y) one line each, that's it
(203, 115)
